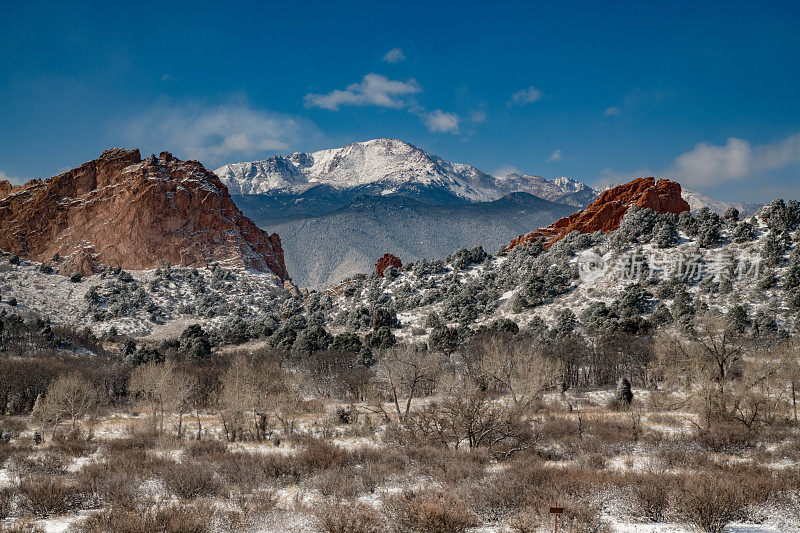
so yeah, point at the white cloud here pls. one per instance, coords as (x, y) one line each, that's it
(505, 170)
(374, 89)
(167, 77)
(395, 55)
(6, 177)
(613, 110)
(555, 156)
(526, 96)
(442, 122)
(708, 165)
(211, 133)
(477, 117)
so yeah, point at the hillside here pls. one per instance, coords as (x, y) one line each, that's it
(318, 255)
(655, 268)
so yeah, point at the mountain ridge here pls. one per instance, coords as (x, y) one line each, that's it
(390, 166)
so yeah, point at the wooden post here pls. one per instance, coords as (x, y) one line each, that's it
(556, 510)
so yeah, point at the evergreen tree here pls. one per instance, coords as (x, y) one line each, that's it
(565, 325)
(745, 232)
(624, 395)
(666, 235)
(773, 249)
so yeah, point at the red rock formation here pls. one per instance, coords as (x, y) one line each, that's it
(5, 188)
(606, 212)
(385, 262)
(121, 210)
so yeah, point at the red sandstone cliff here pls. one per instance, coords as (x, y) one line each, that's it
(385, 262)
(606, 212)
(121, 210)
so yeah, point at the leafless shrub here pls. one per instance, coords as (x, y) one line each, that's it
(526, 521)
(318, 455)
(169, 519)
(428, 512)
(349, 517)
(246, 470)
(558, 428)
(596, 461)
(13, 425)
(651, 493)
(106, 485)
(201, 448)
(669, 457)
(448, 466)
(524, 483)
(48, 462)
(23, 526)
(48, 495)
(374, 467)
(138, 440)
(726, 435)
(341, 482)
(578, 517)
(73, 442)
(711, 502)
(6, 502)
(256, 504)
(190, 479)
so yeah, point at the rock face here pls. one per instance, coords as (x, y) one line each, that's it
(385, 262)
(605, 214)
(122, 210)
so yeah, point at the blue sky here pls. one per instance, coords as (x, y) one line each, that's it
(706, 93)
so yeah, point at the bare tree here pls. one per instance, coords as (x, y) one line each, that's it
(69, 397)
(721, 347)
(407, 372)
(518, 369)
(180, 395)
(153, 382)
(252, 390)
(470, 416)
(709, 363)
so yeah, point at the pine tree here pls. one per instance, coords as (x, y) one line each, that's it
(624, 393)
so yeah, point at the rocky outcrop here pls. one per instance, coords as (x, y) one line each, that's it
(5, 188)
(122, 210)
(385, 262)
(606, 212)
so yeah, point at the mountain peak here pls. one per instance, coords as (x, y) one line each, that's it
(387, 166)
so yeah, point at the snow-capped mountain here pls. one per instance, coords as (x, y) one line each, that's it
(698, 201)
(561, 190)
(389, 167)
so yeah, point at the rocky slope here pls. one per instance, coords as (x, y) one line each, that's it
(120, 210)
(605, 214)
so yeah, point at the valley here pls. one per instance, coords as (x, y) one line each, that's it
(632, 361)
